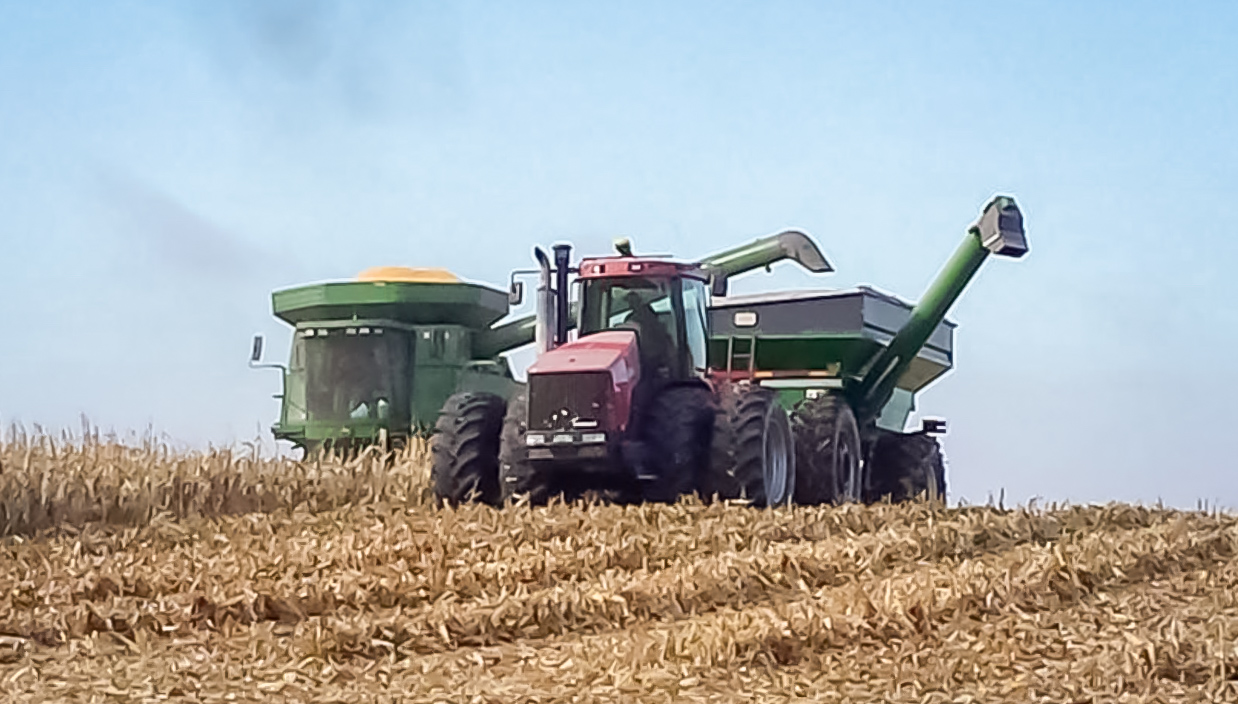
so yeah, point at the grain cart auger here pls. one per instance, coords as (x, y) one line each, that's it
(602, 395)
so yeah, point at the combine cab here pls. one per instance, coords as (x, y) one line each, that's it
(792, 397)
(374, 359)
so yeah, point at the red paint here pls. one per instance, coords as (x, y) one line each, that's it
(614, 352)
(624, 267)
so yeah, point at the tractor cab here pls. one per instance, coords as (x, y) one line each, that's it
(663, 302)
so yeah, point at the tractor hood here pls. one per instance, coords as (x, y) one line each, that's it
(586, 384)
(613, 351)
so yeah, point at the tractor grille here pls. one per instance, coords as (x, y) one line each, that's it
(555, 400)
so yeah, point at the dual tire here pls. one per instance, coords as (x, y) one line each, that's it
(838, 466)
(753, 450)
(906, 466)
(829, 450)
(465, 449)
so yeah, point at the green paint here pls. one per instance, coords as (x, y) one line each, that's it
(375, 358)
(878, 372)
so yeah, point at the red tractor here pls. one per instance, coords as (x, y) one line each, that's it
(628, 409)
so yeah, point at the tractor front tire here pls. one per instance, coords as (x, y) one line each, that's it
(906, 465)
(753, 453)
(678, 431)
(465, 449)
(517, 475)
(829, 459)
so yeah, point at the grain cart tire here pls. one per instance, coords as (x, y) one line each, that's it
(465, 449)
(829, 457)
(678, 431)
(753, 449)
(906, 465)
(517, 475)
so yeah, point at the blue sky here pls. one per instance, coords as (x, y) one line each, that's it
(164, 166)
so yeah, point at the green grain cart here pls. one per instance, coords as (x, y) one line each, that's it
(847, 365)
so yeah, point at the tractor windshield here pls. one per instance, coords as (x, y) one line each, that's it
(355, 376)
(646, 305)
(610, 303)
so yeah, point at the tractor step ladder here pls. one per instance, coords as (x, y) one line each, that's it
(741, 354)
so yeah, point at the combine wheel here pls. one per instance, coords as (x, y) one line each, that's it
(828, 450)
(465, 449)
(518, 476)
(906, 465)
(677, 432)
(753, 449)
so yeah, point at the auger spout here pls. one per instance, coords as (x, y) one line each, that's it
(789, 244)
(998, 231)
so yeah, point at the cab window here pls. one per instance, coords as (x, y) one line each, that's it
(696, 321)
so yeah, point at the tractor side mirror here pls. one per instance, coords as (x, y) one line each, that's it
(515, 295)
(255, 354)
(718, 284)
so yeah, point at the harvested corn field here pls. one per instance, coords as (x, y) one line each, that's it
(384, 597)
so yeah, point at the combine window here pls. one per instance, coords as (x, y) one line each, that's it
(357, 377)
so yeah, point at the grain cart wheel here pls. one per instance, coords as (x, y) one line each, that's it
(465, 449)
(906, 465)
(828, 451)
(678, 430)
(518, 476)
(753, 454)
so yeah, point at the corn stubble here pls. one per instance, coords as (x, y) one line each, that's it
(145, 574)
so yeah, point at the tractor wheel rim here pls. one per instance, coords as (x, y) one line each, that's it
(848, 470)
(775, 474)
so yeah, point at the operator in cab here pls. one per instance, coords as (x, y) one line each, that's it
(656, 345)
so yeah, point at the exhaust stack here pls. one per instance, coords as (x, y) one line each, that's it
(563, 264)
(544, 310)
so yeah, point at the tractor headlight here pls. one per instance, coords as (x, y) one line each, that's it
(593, 438)
(534, 439)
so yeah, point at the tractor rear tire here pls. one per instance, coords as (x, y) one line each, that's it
(829, 456)
(465, 449)
(678, 432)
(753, 453)
(906, 465)
(517, 475)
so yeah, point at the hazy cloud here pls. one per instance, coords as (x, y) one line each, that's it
(173, 233)
(296, 58)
